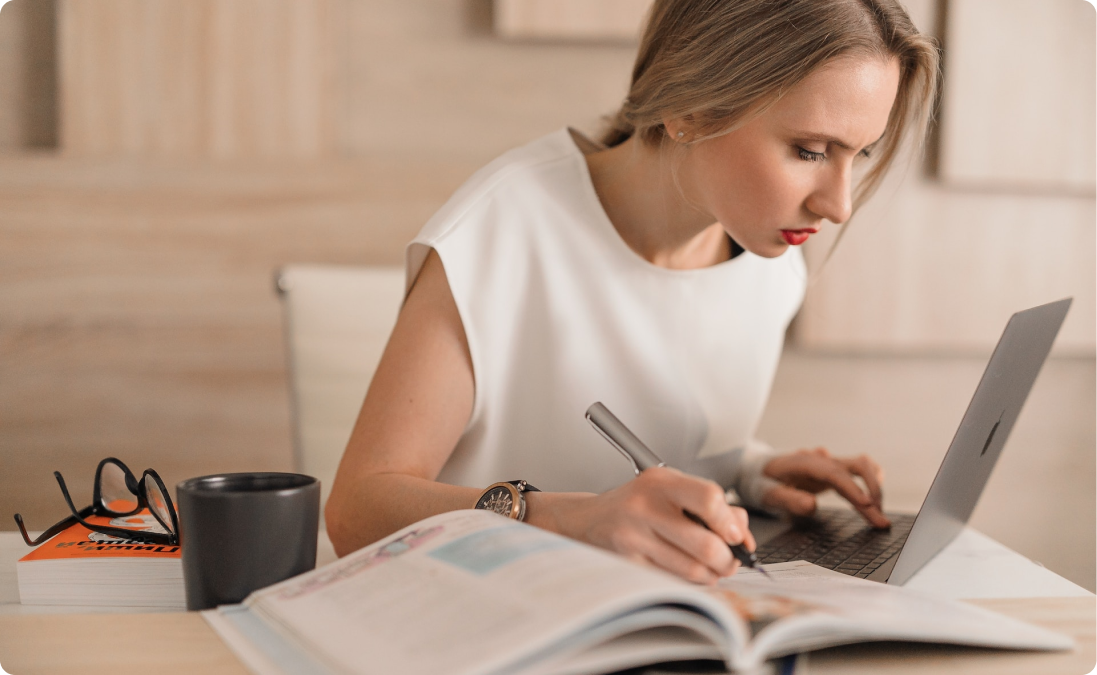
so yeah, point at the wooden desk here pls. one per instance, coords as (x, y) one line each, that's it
(90, 644)
(114, 644)
(32, 641)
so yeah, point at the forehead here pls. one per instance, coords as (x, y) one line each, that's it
(848, 99)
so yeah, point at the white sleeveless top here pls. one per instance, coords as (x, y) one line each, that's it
(559, 313)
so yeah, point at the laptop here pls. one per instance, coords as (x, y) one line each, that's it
(840, 539)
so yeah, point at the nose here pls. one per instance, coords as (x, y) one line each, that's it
(831, 197)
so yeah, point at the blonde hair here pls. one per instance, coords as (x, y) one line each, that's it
(719, 62)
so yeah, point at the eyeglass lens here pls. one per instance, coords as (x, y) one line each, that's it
(157, 502)
(114, 494)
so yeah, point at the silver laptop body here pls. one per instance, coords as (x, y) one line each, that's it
(894, 556)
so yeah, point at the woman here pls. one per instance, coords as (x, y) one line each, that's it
(656, 273)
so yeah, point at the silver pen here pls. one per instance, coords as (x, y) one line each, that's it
(642, 458)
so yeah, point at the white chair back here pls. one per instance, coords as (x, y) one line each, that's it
(337, 321)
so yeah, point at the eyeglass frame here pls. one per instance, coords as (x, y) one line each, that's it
(170, 538)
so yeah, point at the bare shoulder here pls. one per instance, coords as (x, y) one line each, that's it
(431, 289)
(429, 313)
(421, 395)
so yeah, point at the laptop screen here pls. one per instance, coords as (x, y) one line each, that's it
(1017, 360)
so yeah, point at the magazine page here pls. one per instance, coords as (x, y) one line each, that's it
(807, 607)
(467, 592)
(655, 635)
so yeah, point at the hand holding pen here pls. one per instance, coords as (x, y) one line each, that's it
(642, 458)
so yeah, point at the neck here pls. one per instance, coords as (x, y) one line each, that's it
(636, 185)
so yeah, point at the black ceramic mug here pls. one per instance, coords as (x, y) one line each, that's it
(243, 531)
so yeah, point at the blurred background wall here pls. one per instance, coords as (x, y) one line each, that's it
(160, 160)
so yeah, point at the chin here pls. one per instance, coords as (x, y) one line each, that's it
(769, 250)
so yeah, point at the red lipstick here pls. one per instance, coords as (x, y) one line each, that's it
(796, 237)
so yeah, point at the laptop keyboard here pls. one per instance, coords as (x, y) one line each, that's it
(843, 543)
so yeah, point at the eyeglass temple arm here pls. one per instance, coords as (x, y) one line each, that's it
(60, 526)
(52, 531)
(136, 535)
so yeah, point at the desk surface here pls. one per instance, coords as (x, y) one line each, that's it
(86, 644)
(70, 640)
(972, 566)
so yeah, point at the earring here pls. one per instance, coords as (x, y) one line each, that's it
(680, 134)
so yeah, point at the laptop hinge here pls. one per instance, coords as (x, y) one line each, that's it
(883, 572)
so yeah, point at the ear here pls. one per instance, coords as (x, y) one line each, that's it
(679, 129)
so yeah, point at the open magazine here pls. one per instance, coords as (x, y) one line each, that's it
(471, 592)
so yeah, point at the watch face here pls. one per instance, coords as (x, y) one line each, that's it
(499, 500)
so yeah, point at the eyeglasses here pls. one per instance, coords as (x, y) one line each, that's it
(117, 493)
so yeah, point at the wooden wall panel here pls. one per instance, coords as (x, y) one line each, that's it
(197, 79)
(28, 101)
(571, 19)
(138, 316)
(12, 35)
(924, 269)
(934, 266)
(428, 78)
(1020, 95)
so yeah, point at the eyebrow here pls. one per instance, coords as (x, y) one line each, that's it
(829, 140)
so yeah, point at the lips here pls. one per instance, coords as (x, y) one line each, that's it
(797, 237)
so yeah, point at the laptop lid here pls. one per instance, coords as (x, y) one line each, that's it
(983, 431)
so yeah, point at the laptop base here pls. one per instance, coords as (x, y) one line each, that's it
(835, 539)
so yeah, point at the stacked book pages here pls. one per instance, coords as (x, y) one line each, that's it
(85, 568)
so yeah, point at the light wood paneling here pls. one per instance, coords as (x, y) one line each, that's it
(571, 19)
(430, 79)
(28, 103)
(925, 269)
(1020, 95)
(202, 78)
(931, 267)
(138, 316)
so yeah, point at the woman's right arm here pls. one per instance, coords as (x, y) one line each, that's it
(417, 407)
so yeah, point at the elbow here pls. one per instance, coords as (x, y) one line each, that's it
(335, 521)
(348, 517)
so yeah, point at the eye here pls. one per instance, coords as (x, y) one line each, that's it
(809, 156)
(866, 153)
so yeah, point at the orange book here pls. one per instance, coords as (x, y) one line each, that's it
(80, 542)
(86, 568)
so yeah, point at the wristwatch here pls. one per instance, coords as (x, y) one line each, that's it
(506, 499)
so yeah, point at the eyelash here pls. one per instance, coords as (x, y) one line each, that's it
(809, 156)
